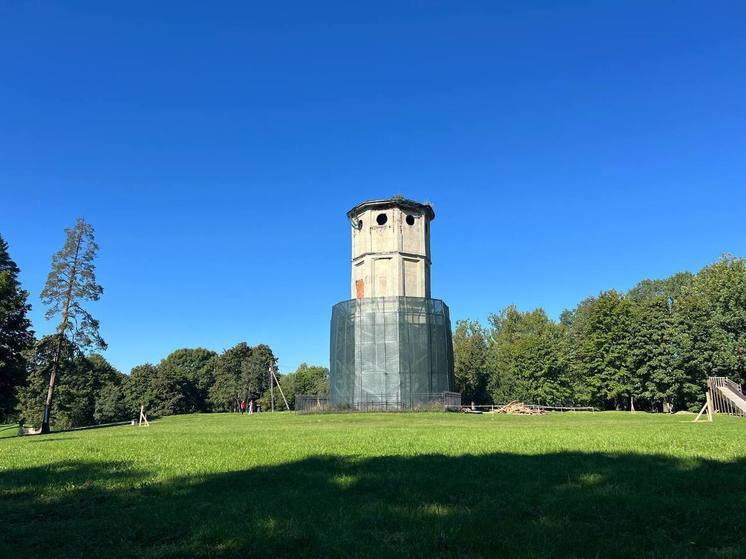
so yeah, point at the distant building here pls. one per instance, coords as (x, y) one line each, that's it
(391, 344)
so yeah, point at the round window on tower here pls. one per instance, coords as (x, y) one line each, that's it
(410, 220)
(381, 219)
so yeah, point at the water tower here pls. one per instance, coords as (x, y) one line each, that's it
(391, 344)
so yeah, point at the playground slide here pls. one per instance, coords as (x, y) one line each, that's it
(735, 397)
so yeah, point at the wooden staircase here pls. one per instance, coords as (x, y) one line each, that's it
(723, 396)
(735, 399)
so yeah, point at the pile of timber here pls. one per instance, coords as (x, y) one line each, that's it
(519, 408)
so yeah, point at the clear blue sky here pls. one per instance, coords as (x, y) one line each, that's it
(216, 147)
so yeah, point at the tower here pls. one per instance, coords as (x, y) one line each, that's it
(391, 248)
(391, 344)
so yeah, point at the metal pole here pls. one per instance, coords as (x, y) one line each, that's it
(271, 389)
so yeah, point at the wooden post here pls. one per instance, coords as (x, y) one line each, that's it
(696, 419)
(271, 370)
(271, 389)
(707, 406)
(143, 418)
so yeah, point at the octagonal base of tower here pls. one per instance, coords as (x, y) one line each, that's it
(391, 353)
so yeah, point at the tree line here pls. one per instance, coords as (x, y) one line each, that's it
(189, 380)
(61, 380)
(652, 347)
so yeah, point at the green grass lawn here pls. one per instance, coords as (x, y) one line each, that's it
(8, 431)
(379, 485)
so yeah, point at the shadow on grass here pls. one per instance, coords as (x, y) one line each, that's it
(8, 431)
(96, 426)
(5, 432)
(89, 427)
(559, 505)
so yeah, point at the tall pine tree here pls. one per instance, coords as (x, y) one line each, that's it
(15, 332)
(71, 281)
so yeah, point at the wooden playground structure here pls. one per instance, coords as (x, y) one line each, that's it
(723, 396)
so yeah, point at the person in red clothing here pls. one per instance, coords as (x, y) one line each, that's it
(243, 407)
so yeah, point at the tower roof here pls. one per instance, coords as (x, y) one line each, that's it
(393, 202)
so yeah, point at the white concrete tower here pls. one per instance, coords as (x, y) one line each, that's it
(390, 248)
(390, 344)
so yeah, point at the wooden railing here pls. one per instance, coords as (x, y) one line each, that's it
(723, 403)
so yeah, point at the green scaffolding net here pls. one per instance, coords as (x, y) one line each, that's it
(390, 353)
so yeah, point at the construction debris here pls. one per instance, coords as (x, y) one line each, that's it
(519, 408)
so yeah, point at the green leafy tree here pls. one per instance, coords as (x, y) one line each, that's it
(195, 369)
(108, 395)
(287, 383)
(136, 389)
(470, 361)
(670, 289)
(71, 281)
(85, 386)
(652, 353)
(227, 390)
(311, 379)
(525, 358)
(307, 379)
(255, 371)
(74, 396)
(110, 404)
(655, 354)
(170, 392)
(710, 330)
(180, 383)
(104, 373)
(721, 289)
(655, 345)
(16, 336)
(601, 340)
(241, 373)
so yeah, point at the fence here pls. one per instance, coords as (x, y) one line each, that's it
(440, 401)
